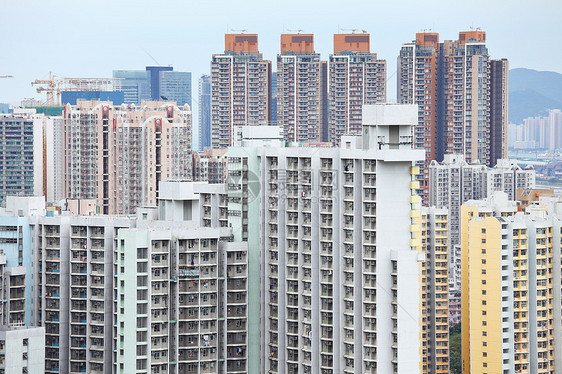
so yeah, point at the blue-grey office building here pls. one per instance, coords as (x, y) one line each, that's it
(175, 86)
(157, 83)
(134, 84)
(204, 111)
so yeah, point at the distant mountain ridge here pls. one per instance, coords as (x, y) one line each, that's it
(532, 93)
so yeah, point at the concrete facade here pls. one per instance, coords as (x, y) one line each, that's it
(461, 95)
(301, 89)
(22, 350)
(118, 154)
(356, 77)
(455, 181)
(511, 292)
(338, 290)
(240, 88)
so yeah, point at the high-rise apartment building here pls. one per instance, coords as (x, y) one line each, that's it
(181, 301)
(118, 154)
(511, 290)
(204, 112)
(454, 181)
(181, 287)
(499, 99)
(327, 307)
(12, 289)
(21, 156)
(273, 121)
(434, 286)
(193, 299)
(73, 269)
(240, 88)
(53, 186)
(461, 96)
(210, 166)
(356, 78)
(301, 89)
(539, 132)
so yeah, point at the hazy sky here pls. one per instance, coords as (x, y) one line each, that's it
(78, 38)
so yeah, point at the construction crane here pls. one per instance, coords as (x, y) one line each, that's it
(242, 31)
(298, 31)
(50, 86)
(6, 76)
(55, 85)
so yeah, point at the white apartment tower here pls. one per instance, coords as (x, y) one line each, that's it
(73, 266)
(335, 249)
(181, 289)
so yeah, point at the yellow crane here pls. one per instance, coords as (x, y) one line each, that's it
(50, 86)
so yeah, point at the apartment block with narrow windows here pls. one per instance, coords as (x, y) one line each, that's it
(435, 295)
(455, 181)
(511, 287)
(118, 154)
(180, 301)
(461, 95)
(301, 89)
(240, 88)
(21, 144)
(339, 259)
(210, 166)
(75, 267)
(356, 77)
(181, 286)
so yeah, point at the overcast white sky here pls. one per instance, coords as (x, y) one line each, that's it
(79, 38)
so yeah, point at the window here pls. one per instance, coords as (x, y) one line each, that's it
(142, 253)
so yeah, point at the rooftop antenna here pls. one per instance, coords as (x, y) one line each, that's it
(153, 59)
(353, 31)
